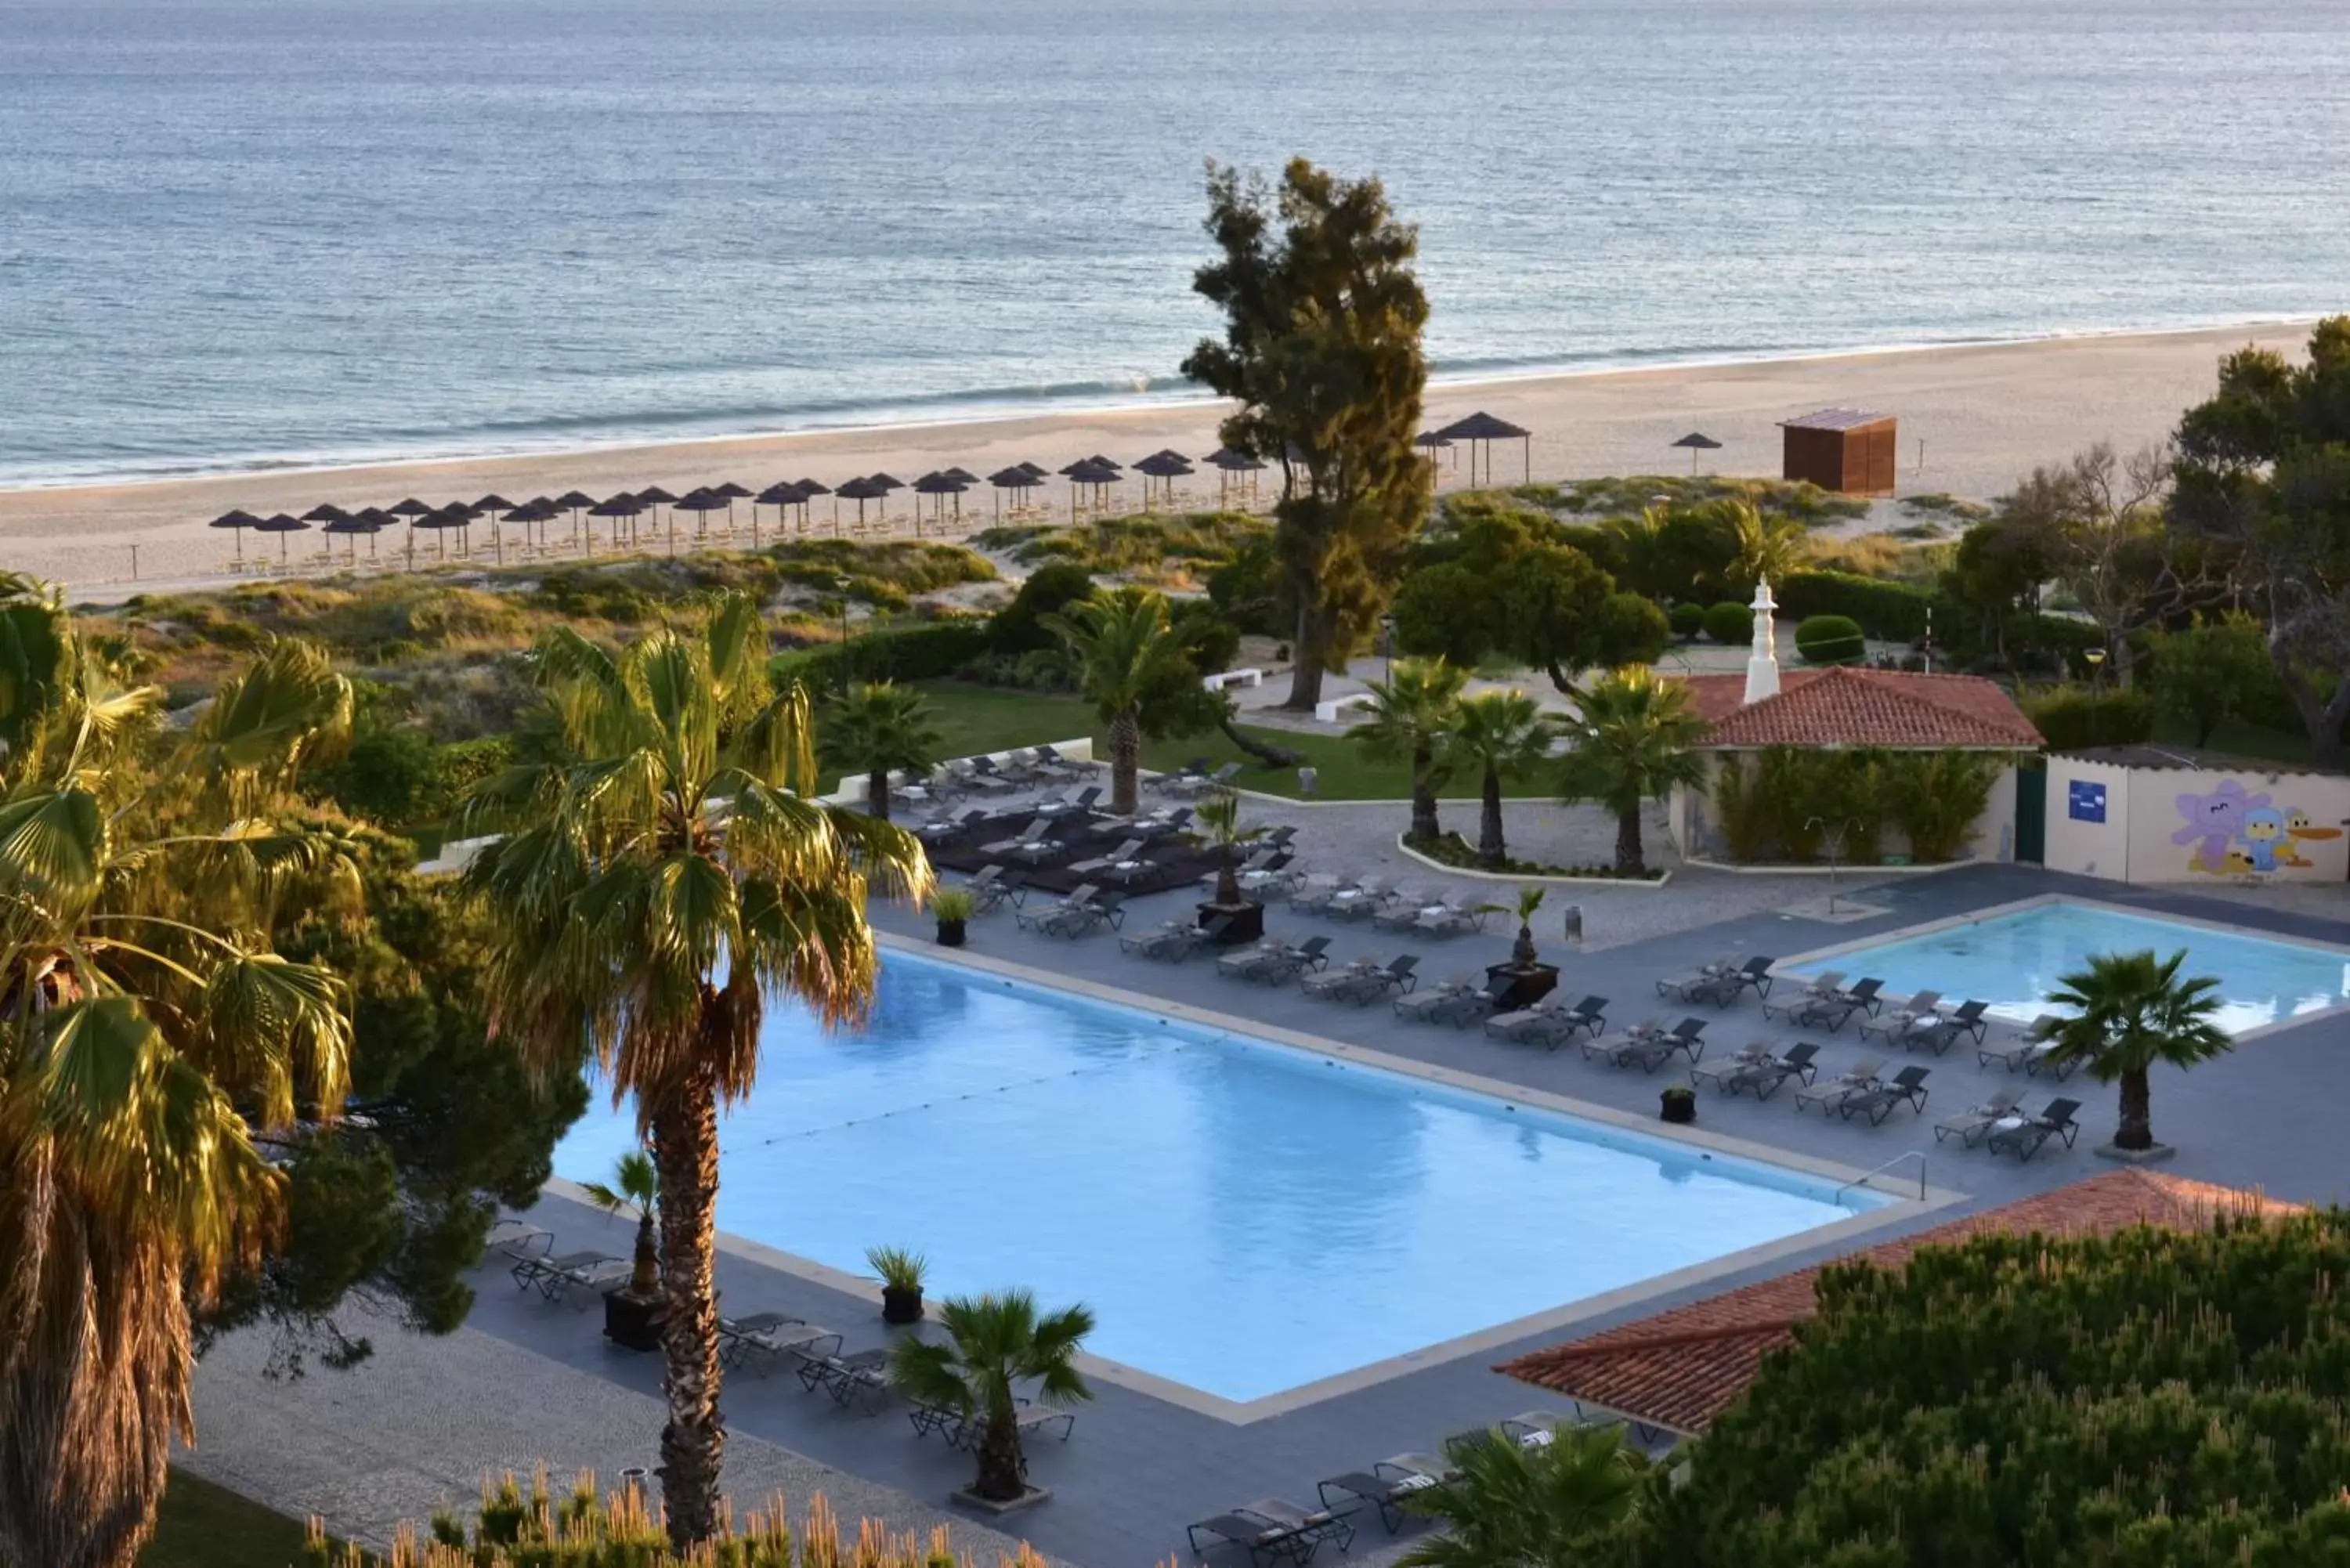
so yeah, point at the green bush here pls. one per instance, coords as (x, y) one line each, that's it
(1892, 612)
(1018, 628)
(1632, 630)
(2072, 717)
(923, 652)
(1830, 639)
(1936, 796)
(1688, 619)
(1730, 622)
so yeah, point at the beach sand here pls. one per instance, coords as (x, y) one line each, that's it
(1973, 421)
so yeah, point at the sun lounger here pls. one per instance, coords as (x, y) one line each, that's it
(1385, 1493)
(1452, 917)
(1652, 1049)
(1893, 1026)
(1721, 985)
(1746, 1058)
(515, 1241)
(1711, 968)
(1176, 939)
(1977, 1120)
(768, 1336)
(1027, 838)
(1526, 1023)
(1827, 983)
(850, 1379)
(994, 886)
(2024, 1134)
(1858, 1079)
(1829, 1009)
(1764, 1074)
(1272, 1531)
(1366, 897)
(1478, 1002)
(1313, 897)
(1307, 957)
(1425, 1004)
(1128, 849)
(1078, 804)
(1200, 783)
(1402, 910)
(1878, 1100)
(962, 1430)
(577, 1274)
(1939, 1033)
(2035, 1051)
(953, 827)
(1363, 982)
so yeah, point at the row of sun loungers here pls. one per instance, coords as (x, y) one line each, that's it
(1721, 981)
(1365, 981)
(1388, 907)
(1086, 909)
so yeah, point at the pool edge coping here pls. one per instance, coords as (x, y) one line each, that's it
(1239, 1412)
(2041, 901)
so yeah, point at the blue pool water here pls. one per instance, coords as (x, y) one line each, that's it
(1242, 1217)
(2014, 961)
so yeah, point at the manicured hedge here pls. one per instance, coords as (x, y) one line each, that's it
(1893, 612)
(1830, 639)
(2076, 716)
(1728, 622)
(1688, 619)
(927, 652)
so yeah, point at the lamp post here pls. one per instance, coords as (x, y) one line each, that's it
(2096, 657)
(1387, 644)
(1833, 836)
(840, 587)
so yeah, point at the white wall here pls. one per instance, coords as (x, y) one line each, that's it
(1690, 819)
(2247, 826)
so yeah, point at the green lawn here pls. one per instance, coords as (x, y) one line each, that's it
(206, 1526)
(974, 719)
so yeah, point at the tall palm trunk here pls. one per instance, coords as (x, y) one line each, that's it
(1002, 1467)
(876, 794)
(1423, 797)
(644, 1278)
(685, 1147)
(2136, 1128)
(1125, 760)
(1631, 860)
(1491, 850)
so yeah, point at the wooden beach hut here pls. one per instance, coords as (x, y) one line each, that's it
(1845, 450)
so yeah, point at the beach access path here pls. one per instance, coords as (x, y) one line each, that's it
(1974, 420)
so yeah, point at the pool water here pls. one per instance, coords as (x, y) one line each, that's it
(2014, 961)
(1243, 1218)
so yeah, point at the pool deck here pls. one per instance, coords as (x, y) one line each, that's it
(1140, 1467)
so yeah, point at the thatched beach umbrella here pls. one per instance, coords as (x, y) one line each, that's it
(1095, 474)
(616, 507)
(281, 525)
(492, 503)
(324, 511)
(1481, 430)
(1166, 467)
(655, 498)
(941, 486)
(354, 524)
(1231, 466)
(860, 490)
(1014, 478)
(701, 503)
(239, 520)
(732, 493)
(1698, 441)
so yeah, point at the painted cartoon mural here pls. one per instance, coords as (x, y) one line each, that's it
(2237, 833)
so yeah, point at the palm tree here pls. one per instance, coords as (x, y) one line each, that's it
(655, 885)
(1510, 1506)
(148, 1041)
(1124, 647)
(2136, 1011)
(635, 1188)
(993, 1343)
(878, 728)
(1767, 546)
(1498, 735)
(1632, 731)
(1218, 817)
(1412, 712)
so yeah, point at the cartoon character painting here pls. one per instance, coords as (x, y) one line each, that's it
(2235, 832)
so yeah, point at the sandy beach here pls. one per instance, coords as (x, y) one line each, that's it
(1972, 418)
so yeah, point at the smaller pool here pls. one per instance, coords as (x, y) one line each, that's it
(2015, 961)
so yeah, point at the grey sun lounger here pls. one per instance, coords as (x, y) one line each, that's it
(1721, 986)
(1364, 983)
(2023, 1135)
(1759, 1069)
(1830, 1009)
(1176, 939)
(1307, 957)
(994, 886)
(2035, 1050)
(1423, 1005)
(1274, 1531)
(1878, 1100)
(1452, 917)
(1046, 916)
(1652, 1049)
(1827, 983)
(768, 1336)
(1386, 1487)
(962, 1431)
(1677, 986)
(1026, 839)
(1913, 1013)
(576, 1274)
(1939, 1033)
(1977, 1120)
(864, 1376)
(516, 1240)
(1857, 1079)
(1526, 1023)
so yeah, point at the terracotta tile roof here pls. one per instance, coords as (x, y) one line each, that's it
(1681, 1368)
(1847, 707)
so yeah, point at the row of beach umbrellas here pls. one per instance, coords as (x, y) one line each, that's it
(1089, 478)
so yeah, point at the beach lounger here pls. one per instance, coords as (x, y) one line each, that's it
(1726, 1069)
(1153, 828)
(2033, 1052)
(1313, 897)
(1797, 1062)
(1197, 768)
(1402, 910)
(1272, 1531)
(1651, 1050)
(1200, 783)
(1878, 1100)
(961, 1430)
(1829, 1011)
(1977, 1120)
(1049, 760)
(953, 827)
(1893, 1026)
(515, 1241)
(1078, 804)
(1365, 899)
(1939, 1033)
(1128, 848)
(1027, 839)
(1526, 1023)
(2024, 1134)
(1177, 940)
(1857, 1079)
(1307, 957)
(1452, 917)
(1425, 1004)
(980, 774)
(850, 1379)
(1363, 982)
(1385, 1493)
(1676, 986)
(1478, 1003)
(1722, 986)
(994, 886)
(1827, 983)
(580, 1275)
(765, 1337)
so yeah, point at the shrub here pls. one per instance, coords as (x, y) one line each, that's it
(926, 652)
(1633, 631)
(1688, 619)
(1895, 612)
(2072, 717)
(1730, 622)
(1829, 639)
(1016, 628)
(1936, 797)
(1743, 809)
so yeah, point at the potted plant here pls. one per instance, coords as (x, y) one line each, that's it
(1679, 1103)
(953, 908)
(1522, 951)
(900, 1273)
(633, 1314)
(994, 1344)
(1219, 822)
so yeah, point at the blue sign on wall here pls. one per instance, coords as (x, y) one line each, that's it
(2087, 800)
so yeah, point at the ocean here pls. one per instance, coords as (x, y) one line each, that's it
(240, 233)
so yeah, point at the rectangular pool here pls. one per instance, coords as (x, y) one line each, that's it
(1243, 1218)
(2013, 962)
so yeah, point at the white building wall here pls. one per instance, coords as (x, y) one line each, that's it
(2192, 826)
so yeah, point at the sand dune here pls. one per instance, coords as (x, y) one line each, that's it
(1973, 419)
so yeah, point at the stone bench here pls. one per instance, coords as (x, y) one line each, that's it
(1250, 677)
(1336, 709)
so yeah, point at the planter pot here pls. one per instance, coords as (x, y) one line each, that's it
(1679, 1106)
(970, 1499)
(1247, 920)
(950, 933)
(901, 1306)
(1528, 983)
(634, 1322)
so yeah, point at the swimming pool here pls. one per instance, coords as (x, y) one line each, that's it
(1243, 1218)
(2014, 960)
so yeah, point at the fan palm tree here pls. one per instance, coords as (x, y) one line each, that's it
(878, 728)
(148, 1040)
(1124, 647)
(635, 1188)
(1496, 735)
(1218, 817)
(1767, 546)
(2136, 1011)
(1510, 1506)
(655, 885)
(1632, 734)
(1412, 712)
(993, 1343)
